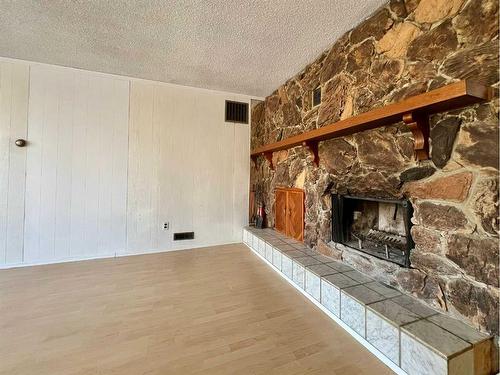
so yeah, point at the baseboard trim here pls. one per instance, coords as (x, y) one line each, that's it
(337, 320)
(108, 256)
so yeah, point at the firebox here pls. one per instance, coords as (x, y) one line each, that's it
(378, 227)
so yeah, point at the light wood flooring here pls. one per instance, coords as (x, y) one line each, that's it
(217, 310)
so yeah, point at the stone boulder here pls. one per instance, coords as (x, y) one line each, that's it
(335, 61)
(395, 42)
(333, 100)
(453, 187)
(421, 285)
(435, 44)
(442, 138)
(379, 150)
(478, 21)
(360, 56)
(475, 302)
(417, 173)
(479, 62)
(398, 7)
(426, 240)
(433, 264)
(478, 257)
(441, 217)
(329, 250)
(374, 27)
(478, 145)
(373, 184)
(337, 156)
(430, 11)
(485, 203)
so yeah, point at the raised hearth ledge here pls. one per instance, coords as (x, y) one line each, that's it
(406, 335)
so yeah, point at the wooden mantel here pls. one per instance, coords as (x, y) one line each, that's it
(413, 111)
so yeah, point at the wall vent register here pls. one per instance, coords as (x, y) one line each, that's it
(180, 236)
(236, 112)
(316, 97)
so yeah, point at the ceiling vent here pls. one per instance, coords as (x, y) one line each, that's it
(236, 112)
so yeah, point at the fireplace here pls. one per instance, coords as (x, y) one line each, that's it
(378, 227)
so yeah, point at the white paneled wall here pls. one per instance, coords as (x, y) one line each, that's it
(76, 172)
(109, 160)
(187, 167)
(14, 83)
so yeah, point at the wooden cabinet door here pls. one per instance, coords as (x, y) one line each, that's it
(289, 212)
(295, 214)
(280, 211)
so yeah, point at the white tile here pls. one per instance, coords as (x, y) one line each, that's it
(352, 313)
(417, 359)
(268, 252)
(245, 236)
(298, 274)
(313, 285)
(287, 267)
(330, 297)
(253, 242)
(256, 241)
(277, 259)
(383, 335)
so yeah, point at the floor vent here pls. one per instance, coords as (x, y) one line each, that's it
(183, 236)
(236, 112)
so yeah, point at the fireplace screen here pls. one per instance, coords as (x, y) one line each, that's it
(379, 227)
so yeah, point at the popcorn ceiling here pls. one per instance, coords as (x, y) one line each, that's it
(248, 47)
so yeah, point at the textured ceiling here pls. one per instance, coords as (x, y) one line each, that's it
(248, 47)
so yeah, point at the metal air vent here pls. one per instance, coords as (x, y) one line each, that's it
(183, 236)
(236, 112)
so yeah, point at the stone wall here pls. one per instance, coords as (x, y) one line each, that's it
(405, 48)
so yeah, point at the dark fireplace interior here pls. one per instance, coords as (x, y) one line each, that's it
(379, 227)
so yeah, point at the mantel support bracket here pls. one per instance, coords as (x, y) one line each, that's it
(313, 147)
(269, 157)
(419, 126)
(254, 159)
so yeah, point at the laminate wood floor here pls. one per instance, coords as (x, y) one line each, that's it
(217, 310)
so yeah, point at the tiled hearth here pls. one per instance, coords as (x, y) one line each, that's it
(413, 337)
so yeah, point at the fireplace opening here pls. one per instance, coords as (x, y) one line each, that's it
(378, 227)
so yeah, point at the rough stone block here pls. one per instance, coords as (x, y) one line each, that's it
(453, 187)
(430, 11)
(477, 256)
(441, 217)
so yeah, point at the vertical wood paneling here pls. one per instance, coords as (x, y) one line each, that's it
(241, 180)
(182, 164)
(76, 165)
(139, 215)
(14, 92)
(186, 166)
